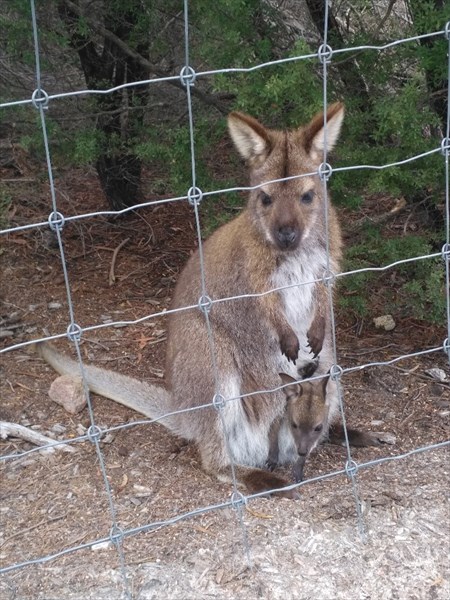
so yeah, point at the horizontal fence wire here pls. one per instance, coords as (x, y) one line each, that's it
(56, 221)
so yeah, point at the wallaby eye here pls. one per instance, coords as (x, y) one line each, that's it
(308, 197)
(294, 425)
(265, 199)
(318, 428)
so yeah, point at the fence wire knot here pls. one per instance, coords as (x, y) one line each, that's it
(74, 332)
(204, 304)
(194, 196)
(336, 372)
(325, 53)
(445, 146)
(218, 402)
(447, 30)
(56, 220)
(328, 278)
(39, 98)
(325, 171)
(351, 468)
(116, 535)
(445, 252)
(94, 433)
(187, 76)
(238, 500)
(446, 347)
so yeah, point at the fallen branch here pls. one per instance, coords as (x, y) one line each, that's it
(112, 276)
(29, 435)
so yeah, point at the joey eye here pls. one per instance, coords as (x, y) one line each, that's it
(266, 200)
(318, 428)
(308, 197)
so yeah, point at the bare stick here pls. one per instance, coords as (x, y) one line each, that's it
(112, 277)
(29, 435)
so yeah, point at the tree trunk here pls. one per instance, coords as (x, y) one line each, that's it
(349, 72)
(118, 168)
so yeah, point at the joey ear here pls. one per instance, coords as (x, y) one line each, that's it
(249, 136)
(293, 389)
(324, 381)
(314, 133)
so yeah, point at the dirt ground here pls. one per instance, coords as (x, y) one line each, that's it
(272, 548)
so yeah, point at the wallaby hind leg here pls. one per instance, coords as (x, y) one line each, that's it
(359, 438)
(253, 479)
(258, 480)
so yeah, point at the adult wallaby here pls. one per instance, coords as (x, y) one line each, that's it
(306, 416)
(278, 241)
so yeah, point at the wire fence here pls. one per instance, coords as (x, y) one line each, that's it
(56, 221)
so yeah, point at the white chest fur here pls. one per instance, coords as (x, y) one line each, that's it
(296, 275)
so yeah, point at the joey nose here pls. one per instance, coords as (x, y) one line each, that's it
(287, 237)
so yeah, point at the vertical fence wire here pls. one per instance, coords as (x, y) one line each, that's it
(446, 153)
(40, 100)
(325, 171)
(56, 222)
(195, 197)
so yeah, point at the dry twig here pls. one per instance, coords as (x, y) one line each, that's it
(29, 435)
(112, 277)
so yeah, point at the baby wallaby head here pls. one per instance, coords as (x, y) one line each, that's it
(306, 411)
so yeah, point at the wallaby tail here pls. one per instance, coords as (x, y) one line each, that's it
(153, 401)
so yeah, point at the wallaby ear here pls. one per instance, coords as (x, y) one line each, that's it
(293, 389)
(324, 381)
(251, 139)
(314, 133)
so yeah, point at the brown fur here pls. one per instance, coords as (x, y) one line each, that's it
(278, 240)
(306, 415)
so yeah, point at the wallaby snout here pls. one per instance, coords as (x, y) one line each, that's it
(287, 237)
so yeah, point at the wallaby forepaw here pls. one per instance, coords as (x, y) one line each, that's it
(271, 465)
(297, 471)
(298, 476)
(290, 346)
(315, 344)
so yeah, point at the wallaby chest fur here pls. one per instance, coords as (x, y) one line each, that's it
(278, 241)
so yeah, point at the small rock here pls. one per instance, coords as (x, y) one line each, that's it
(69, 393)
(57, 428)
(5, 333)
(81, 429)
(385, 322)
(54, 305)
(438, 374)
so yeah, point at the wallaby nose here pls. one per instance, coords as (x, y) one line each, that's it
(287, 236)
